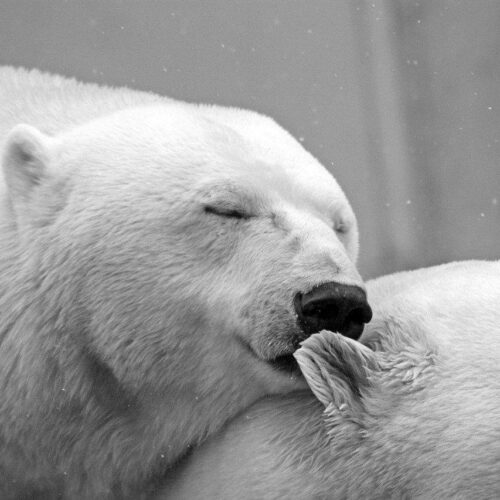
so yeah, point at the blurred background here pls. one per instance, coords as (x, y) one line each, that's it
(400, 100)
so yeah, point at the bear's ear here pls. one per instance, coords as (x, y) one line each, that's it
(25, 161)
(338, 370)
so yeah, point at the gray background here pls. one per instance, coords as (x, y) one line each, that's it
(400, 100)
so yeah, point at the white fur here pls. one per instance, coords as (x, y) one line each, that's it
(413, 413)
(133, 323)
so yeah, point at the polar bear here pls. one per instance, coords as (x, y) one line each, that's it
(411, 412)
(160, 262)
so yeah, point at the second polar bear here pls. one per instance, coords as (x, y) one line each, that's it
(412, 413)
(160, 262)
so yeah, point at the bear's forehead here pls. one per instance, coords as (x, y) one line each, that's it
(269, 157)
(255, 152)
(199, 132)
(210, 144)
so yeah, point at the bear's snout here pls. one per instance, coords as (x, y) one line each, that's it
(335, 307)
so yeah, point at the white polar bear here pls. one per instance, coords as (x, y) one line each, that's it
(413, 413)
(159, 263)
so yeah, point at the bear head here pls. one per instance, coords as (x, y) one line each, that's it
(166, 247)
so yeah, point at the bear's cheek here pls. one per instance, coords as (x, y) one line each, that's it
(253, 293)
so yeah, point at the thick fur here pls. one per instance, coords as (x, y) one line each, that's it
(412, 413)
(135, 321)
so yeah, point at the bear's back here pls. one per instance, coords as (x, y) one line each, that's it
(53, 103)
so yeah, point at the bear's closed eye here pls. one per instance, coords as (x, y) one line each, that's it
(226, 212)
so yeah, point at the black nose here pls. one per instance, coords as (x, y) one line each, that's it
(333, 306)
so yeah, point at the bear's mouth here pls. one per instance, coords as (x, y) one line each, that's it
(285, 363)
